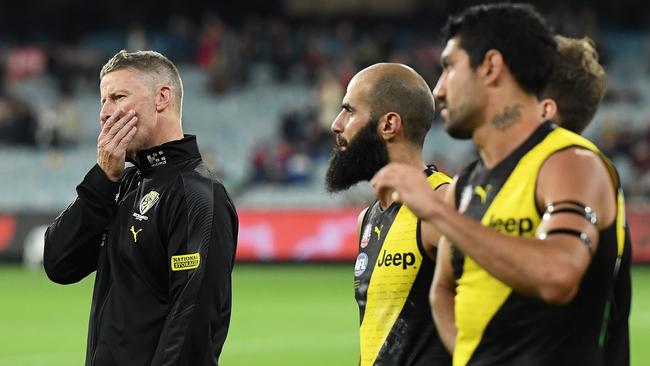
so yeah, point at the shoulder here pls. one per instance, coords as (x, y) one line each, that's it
(200, 187)
(575, 162)
(579, 174)
(200, 181)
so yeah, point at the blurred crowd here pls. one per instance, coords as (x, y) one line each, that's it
(324, 55)
(629, 148)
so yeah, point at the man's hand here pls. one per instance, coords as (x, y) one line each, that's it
(406, 184)
(117, 132)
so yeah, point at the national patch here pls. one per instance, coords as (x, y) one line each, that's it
(185, 261)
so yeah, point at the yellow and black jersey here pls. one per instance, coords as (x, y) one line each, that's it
(392, 278)
(499, 326)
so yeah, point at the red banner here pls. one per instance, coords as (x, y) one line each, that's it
(331, 234)
(280, 235)
(25, 61)
(638, 217)
(297, 235)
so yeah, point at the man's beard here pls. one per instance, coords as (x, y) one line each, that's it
(364, 155)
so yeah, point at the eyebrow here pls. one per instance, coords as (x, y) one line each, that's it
(113, 94)
(347, 107)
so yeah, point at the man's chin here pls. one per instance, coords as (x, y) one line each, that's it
(457, 131)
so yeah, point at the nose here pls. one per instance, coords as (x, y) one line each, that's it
(337, 125)
(439, 92)
(107, 110)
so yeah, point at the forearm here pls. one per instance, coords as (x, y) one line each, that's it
(442, 307)
(72, 240)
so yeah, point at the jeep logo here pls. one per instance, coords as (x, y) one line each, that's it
(398, 259)
(511, 225)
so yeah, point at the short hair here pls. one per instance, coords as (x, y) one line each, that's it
(411, 99)
(149, 62)
(517, 31)
(577, 83)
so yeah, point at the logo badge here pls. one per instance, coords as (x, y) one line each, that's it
(378, 231)
(361, 264)
(482, 193)
(365, 238)
(186, 261)
(135, 234)
(148, 201)
(157, 158)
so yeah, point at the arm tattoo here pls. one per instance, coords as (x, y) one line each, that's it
(507, 118)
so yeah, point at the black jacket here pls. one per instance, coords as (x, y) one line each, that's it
(163, 242)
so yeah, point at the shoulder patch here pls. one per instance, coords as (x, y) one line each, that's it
(186, 261)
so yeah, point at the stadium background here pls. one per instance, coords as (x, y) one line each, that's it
(263, 80)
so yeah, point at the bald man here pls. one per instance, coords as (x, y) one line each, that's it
(385, 115)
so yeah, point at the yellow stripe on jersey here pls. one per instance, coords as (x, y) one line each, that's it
(392, 278)
(620, 224)
(479, 295)
(390, 284)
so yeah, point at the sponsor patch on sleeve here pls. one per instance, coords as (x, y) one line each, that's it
(186, 261)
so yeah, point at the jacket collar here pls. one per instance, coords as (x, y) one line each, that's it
(169, 153)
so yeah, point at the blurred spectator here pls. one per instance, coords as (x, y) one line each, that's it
(60, 125)
(281, 55)
(136, 38)
(329, 93)
(17, 122)
(181, 42)
(323, 54)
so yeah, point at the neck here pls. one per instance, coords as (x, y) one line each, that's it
(505, 127)
(403, 154)
(167, 129)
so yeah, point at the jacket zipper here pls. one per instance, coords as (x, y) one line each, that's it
(98, 322)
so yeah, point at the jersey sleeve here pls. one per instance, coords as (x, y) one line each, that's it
(72, 241)
(202, 231)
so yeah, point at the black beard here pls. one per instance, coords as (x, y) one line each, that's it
(364, 155)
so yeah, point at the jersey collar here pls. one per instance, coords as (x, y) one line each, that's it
(169, 153)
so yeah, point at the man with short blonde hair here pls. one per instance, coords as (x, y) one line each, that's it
(161, 235)
(151, 63)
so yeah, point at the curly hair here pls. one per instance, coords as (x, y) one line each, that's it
(577, 83)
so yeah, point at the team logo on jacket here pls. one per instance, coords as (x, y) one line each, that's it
(146, 203)
(361, 264)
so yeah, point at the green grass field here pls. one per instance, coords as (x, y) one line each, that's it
(282, 315)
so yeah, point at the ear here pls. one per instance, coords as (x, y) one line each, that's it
(390, 125)
(163, 97)
(492, 67)
(548, 109)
